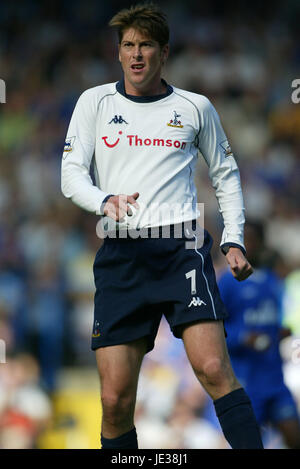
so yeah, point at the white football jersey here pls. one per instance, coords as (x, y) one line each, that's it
(151, 147)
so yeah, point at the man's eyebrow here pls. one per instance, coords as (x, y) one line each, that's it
(141, 42)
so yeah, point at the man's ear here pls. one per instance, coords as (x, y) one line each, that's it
(119, 45)
(165, 53)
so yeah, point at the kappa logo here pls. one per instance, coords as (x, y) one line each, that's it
(175, 122)
(196, 302)
(118, 120)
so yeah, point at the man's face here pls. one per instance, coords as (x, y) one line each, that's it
(141, 58)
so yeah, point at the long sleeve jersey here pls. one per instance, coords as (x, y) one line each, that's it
(150, 146)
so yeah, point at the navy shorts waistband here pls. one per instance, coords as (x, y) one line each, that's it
(178, 230)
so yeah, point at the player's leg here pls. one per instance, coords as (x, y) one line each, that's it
(290, 431)
(284, 415)
(123, 315)
(119, 367)
(207, 352)
(206, 349)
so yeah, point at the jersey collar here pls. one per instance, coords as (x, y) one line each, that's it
(143, 99)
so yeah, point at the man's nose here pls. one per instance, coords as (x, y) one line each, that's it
(137, 53)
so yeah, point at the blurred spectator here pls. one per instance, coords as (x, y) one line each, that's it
(254, 330)
(25, 409)
(291, 302)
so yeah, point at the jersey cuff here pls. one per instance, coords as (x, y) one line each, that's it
(225, 248)
(104, 202)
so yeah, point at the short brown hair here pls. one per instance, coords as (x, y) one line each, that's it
(146, 18)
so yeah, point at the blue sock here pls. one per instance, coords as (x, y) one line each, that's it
(126, 441)
(237, 419)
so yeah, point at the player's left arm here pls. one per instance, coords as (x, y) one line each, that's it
(225, 177)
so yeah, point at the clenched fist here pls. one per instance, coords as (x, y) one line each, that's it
(117, 208)
(239, 266)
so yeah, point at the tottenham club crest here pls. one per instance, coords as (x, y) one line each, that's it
(175, 122)
(96, 331)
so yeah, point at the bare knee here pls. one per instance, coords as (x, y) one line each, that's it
(118, 367)
(117, 406)
(216, 375)
(213, 370)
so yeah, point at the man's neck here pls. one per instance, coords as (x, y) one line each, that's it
(155, 89)
(167, 90)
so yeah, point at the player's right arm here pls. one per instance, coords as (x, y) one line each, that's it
(76, 182)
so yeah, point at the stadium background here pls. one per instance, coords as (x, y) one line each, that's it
(244, 57)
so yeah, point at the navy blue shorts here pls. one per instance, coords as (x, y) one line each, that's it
(139, 280)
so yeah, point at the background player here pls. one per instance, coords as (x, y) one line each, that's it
(254, 332)
(125, 272)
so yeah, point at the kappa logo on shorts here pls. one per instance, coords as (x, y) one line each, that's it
(196, 302)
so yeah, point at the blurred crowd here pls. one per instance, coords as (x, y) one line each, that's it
(244, 59)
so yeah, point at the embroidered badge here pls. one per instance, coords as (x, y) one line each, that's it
(226, 148)
(175, 122)
(69, 145)
(96, 331)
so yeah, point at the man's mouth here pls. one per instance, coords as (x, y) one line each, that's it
(137, 67)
